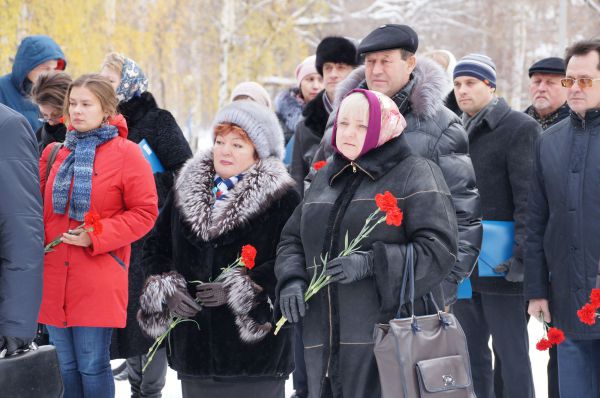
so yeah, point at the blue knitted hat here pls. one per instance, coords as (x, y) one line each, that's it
(478, 66)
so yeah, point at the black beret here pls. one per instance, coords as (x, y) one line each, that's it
(335, 49)
(552, 65)
(389, 37)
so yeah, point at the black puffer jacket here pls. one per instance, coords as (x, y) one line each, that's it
(196, 241)
(145, 120)
(48, 134)
(435, 133)
(309, 133)
(338, 326)
(562, 250)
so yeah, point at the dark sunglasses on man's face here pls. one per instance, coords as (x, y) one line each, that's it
(582, 82)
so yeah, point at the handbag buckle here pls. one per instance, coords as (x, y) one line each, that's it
(448, 380)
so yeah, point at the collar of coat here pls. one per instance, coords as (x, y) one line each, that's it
(136, 108)
(496, 114)
(592, 120)
(264, 183)
(375, 163)
(428, 88)
(316, 115)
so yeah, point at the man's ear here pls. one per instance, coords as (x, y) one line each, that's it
(411, 63)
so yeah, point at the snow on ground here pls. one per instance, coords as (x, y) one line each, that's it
(538, 362)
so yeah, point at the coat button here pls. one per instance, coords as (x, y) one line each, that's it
(215, 245)
(66, 263)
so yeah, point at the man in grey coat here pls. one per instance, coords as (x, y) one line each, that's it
(21, 232)
(434, 132)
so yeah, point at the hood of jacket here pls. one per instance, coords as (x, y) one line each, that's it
(427, 94)
(34, 50)
(264, 183)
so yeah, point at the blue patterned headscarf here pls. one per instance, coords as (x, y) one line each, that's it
(133, 81)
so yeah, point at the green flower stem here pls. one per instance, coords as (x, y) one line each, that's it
(48, 248)
(158, 342)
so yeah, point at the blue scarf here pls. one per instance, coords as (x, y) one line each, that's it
(223, 186)
(78, 166)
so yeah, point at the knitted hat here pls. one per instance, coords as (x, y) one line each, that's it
(306, 67)
(258, 122)
(253, 90)
(552, 66)
(334, 49)
(389, 37)
(478, 66)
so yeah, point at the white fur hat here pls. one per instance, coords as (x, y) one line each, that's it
(259, 122)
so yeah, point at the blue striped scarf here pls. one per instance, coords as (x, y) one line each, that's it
(78, 166)
(224, 185)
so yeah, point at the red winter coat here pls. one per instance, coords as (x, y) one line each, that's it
(88, 286)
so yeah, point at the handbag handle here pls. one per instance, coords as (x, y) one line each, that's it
(408, 278)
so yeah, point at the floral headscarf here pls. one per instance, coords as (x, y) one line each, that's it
(385, 120)
(133, 81)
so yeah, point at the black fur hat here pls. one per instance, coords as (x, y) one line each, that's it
(335, 49)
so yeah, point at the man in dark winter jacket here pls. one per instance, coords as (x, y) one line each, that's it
(21, 234)
(36, 55)
(501, 145)
(336, 58)
(562, 252)
(548, 107)
(548, 97)
(433, 131)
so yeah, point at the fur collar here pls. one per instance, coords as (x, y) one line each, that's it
(427, 96)
(315, 114)
(264, 183)
(288, 108)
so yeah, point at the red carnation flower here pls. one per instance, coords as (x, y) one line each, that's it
(248, 256)
(555, 336)
(543, 345)
(394, 217)
(386, 201)
(92, 222)
(319, 165)
(595, 298)
(587, 314)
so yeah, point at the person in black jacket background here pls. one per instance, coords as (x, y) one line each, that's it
(145, 121)
(48, 92)
(501, 143)
(21, 234)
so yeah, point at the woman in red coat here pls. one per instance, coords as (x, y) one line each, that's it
(85, 277)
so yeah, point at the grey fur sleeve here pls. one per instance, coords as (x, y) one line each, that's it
(154, 315)
(241, 299)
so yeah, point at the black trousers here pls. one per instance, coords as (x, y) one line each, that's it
(299, 375)
(150, 383)
(503, 317)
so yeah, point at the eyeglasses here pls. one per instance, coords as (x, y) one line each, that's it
(53, 119)
(582, 82)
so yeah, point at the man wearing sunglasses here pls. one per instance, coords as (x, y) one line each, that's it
(563, 232)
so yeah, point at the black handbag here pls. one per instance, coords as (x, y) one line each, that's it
(422, 356)
(32, 373)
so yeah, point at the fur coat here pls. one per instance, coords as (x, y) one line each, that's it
(192, 241)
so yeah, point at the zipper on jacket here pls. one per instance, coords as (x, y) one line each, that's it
(353, 167)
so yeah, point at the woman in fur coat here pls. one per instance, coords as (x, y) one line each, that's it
(239, 193)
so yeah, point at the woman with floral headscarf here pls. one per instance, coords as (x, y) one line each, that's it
(145, 121)
(371, 156)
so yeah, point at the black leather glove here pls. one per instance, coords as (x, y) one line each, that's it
(182, 304)
(211, 294)
(291, 300)
(515, 271)
(350, 268)
(11, 345)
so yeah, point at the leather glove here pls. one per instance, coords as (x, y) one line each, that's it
(183, 305)
(211, 294)
(350, 268)
(291, 300)
(11, 345)
(515, 271)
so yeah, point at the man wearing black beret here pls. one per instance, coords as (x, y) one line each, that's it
(418, 87)
(548, 97)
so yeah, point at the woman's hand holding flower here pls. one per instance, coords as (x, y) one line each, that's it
(351, 268)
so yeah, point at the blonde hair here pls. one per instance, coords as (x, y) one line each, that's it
(114, 61)
(355, 104)
(99, 86)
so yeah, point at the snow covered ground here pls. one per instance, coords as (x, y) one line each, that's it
(538, 362)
